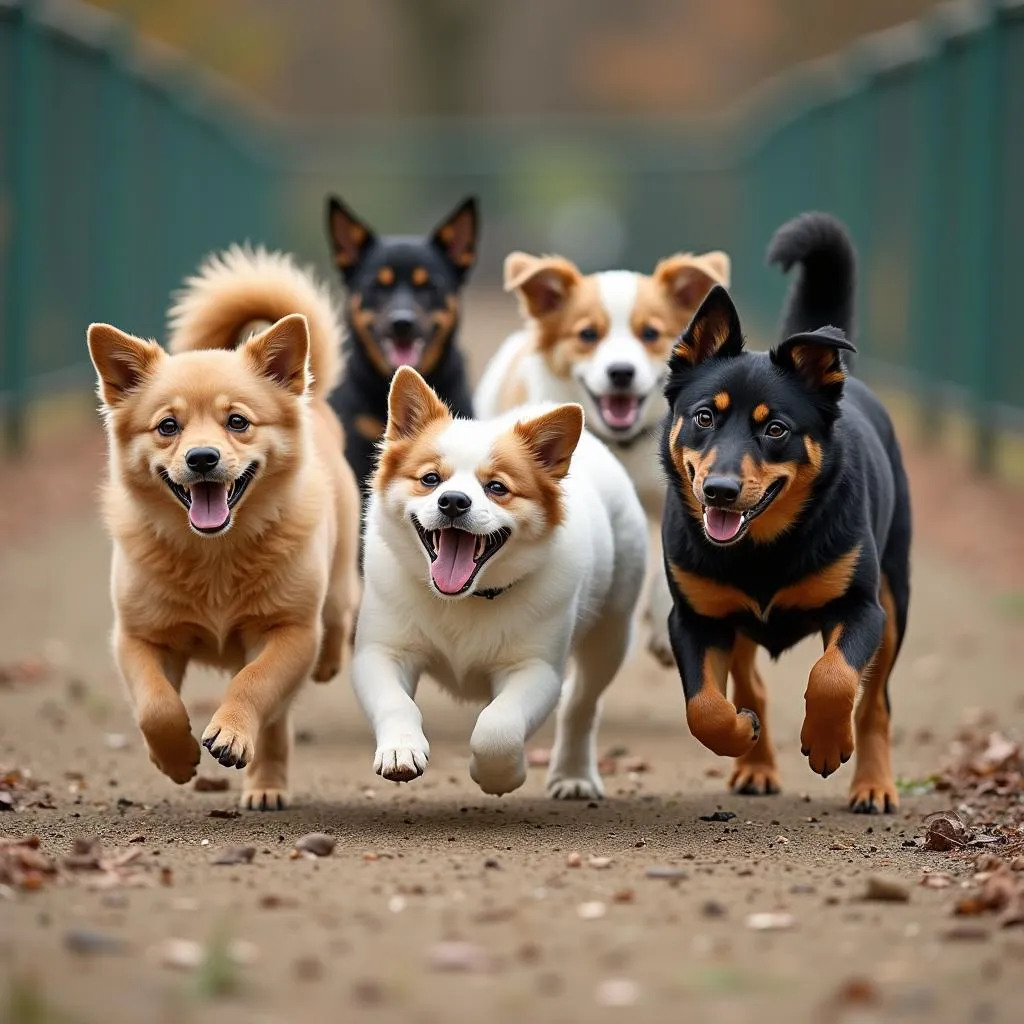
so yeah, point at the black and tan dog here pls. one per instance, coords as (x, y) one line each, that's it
(788, 515)
(402, 309)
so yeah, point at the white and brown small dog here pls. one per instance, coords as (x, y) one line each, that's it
(494, 552)
(603, 340)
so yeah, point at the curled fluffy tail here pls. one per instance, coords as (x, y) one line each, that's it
(823, 292)
(242, 291)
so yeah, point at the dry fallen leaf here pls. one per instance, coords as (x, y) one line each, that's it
(944, 830)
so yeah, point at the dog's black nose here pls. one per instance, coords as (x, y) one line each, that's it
(403, 324)
(621, 374)
(202, 460)
(721, 490)
(454, 503)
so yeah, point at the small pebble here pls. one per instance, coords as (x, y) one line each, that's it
(317, 843)
(591, 911)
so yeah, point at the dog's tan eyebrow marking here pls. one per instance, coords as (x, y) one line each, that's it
(385, 277)
(722, 401)
(760, 413)
(420, 276)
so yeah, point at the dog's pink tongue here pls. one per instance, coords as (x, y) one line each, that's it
(454, 564)
(404, 354)
(722, 525)
(209, 508)
(620, 410)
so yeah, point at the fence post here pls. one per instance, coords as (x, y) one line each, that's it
(26, 142)
(925, 324)
(115, 176)
(981, 208)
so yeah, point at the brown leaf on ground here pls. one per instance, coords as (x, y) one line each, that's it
(944, 830)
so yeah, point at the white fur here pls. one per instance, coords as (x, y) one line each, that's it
(618, 290)
(571, 592)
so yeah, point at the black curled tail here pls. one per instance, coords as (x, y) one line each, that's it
(824, 290)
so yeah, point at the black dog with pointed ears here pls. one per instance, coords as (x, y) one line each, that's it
(788, 514)
(402, 309)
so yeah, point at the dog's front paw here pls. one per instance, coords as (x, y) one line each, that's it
(404, 761)
(172, 747)
(230, 741)
(264, 799)
(827, 743)
(497, 774)
(755, 779)
(589, 787)
(873, 796)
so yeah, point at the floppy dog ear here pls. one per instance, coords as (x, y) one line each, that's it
(122, 361)
(688, 278)
(814, 356)
(456, 236)
(281, 353)
(552, 437)
(543, 282)
(350, 238)
(412, 405)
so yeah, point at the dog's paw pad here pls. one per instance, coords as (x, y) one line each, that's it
(264, 799)
(177, 757)
(755, 780)
(401, 764)
(575, 789)
(827, 745)
(233, 748)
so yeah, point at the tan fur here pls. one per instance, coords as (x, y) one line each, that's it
(272, 599)
(239, 285)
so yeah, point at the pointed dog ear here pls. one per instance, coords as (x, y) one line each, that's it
(350, 238)
(543, 283)
(688, 278)
(412, 405)
(552, 437)
(816, 358)
(714, 332)
(122, 361)
(456, 236)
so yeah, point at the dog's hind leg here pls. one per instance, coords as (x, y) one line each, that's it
(266, 779)
(756, 772)
(573, 774)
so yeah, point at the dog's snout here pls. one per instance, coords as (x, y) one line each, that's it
(621, 374)
(454, 503)
(202, 460)
(402, 323)
(721, 490)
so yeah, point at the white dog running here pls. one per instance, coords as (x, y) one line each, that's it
(494, 551)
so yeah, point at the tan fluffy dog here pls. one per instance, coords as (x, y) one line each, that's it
(234, 516)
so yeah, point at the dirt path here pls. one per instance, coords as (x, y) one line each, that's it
(352, 936)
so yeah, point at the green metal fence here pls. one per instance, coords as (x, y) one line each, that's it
(118, 171)
(911, 136)
(116, 177)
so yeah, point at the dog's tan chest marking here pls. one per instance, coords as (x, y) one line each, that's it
(718, 600)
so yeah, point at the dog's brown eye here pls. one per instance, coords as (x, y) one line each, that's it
(430, 479)
(776, 430)
(650, 333)
(497, 488)
(589, 335)
(704, 419)
(168, 427)
(237, 423)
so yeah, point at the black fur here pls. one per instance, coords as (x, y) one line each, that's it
(401, 291)
(858, 496)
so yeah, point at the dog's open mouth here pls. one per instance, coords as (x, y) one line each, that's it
(619, 412)
(209, 502)
(404, 353)
(456, 556)
(724, 526)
